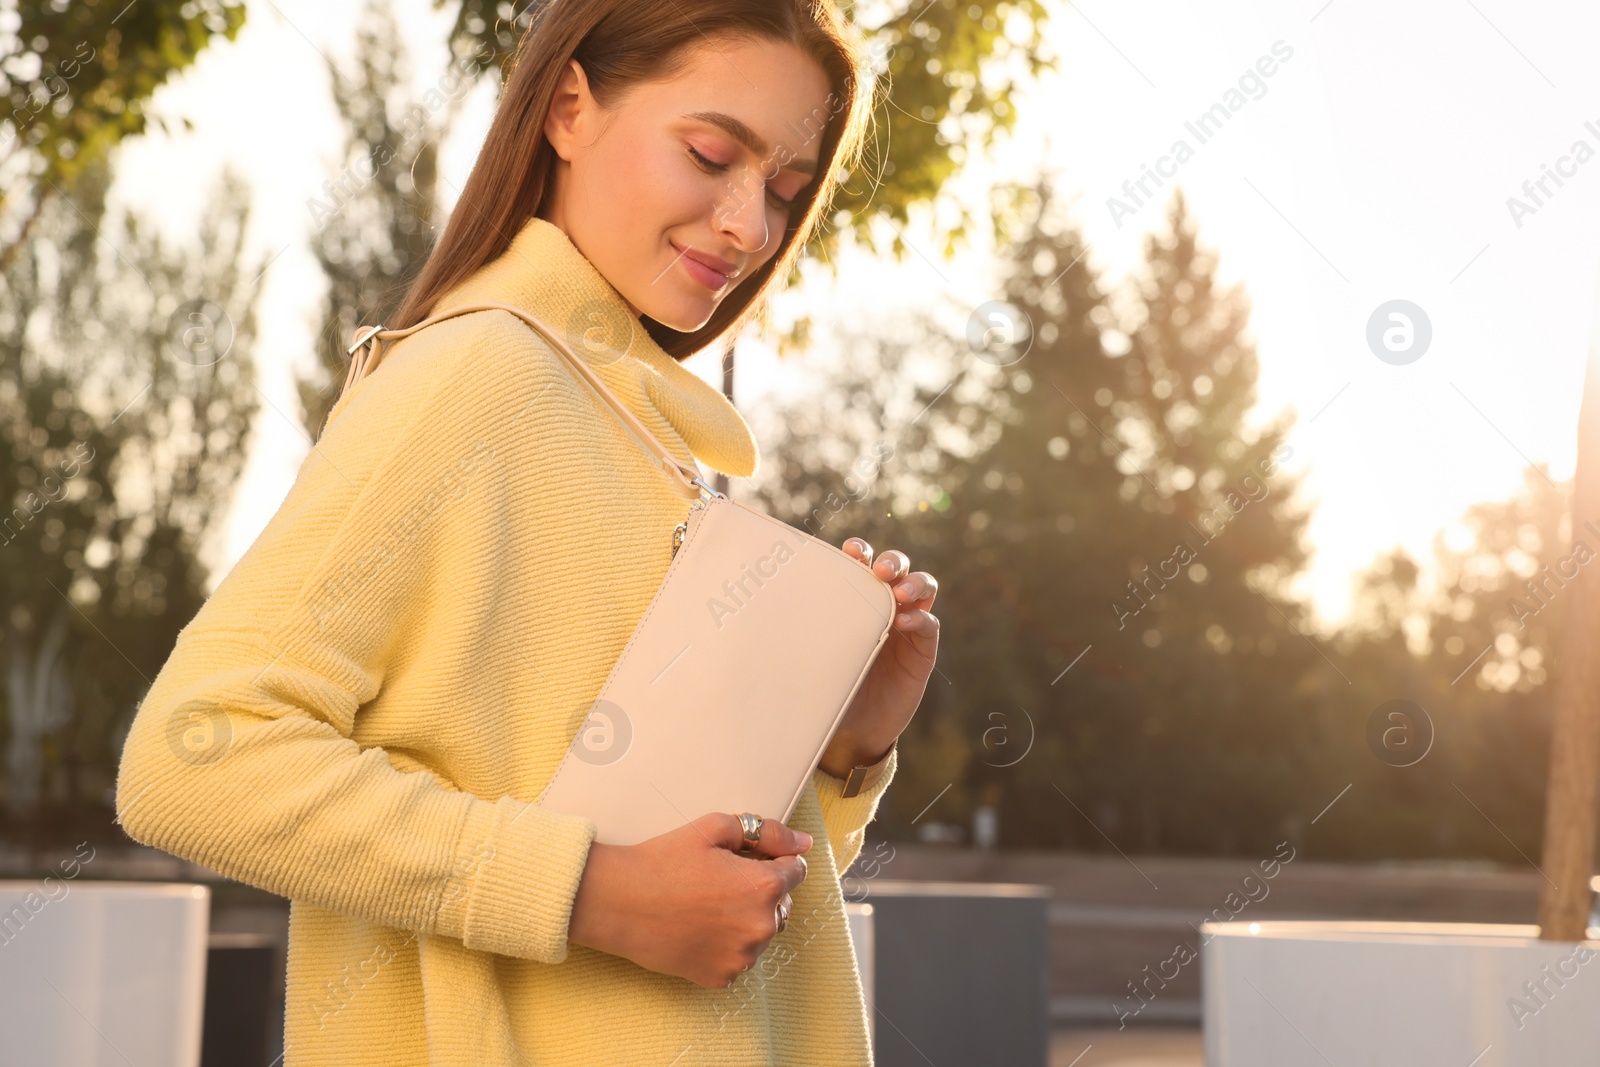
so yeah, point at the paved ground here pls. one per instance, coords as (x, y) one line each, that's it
(1146, 1047)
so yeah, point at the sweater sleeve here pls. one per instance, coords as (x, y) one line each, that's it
(242, 755)
(846, 818)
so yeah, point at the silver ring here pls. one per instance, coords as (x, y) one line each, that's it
(752, 826)
(783, 917)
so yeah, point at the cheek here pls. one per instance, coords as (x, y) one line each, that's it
(672, 192)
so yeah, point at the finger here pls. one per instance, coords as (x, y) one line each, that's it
(892, 563)
(915, 590)
(920, 626)
(791, 870)
(859, 548)
(776, 838)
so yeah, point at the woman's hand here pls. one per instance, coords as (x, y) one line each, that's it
(894, 685)
(685, 903)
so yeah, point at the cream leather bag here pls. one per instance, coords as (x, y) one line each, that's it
(739, 673)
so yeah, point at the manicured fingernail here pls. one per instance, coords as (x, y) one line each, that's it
(803, 837)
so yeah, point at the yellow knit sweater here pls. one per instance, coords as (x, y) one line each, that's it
(361, 715)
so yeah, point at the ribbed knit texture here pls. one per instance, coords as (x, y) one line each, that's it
(362, 714)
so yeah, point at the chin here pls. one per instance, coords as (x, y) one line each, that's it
(681, 318)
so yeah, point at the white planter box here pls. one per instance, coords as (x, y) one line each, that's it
(1370, 994)
(102, 974)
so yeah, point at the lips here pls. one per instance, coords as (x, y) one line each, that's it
(709, 271)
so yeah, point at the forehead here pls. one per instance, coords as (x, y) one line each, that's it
(776, 92)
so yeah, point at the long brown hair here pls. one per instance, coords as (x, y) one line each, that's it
(619, 43)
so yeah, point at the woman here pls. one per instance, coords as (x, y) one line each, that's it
(361, 715)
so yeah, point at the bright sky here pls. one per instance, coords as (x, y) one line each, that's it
(1373, 164)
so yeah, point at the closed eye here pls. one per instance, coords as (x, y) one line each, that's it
(706, 163)
(718, 168)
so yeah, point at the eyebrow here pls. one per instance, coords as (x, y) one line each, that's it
(749, 138)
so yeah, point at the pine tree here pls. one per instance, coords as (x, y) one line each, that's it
(1104, 663)
(1033, 545)
(1219, 626)
(1121, 515)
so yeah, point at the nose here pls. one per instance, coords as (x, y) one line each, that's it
(741, 212)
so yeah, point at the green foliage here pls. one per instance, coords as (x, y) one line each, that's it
(946, 70)
(75, 79)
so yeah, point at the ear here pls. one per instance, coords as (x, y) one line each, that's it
(569, 106)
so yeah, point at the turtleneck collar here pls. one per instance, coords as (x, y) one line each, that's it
(543, 273)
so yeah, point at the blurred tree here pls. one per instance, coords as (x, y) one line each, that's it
(374, 222)
(1028, 532)
(75, 77)
(1492, 627)
(1470, 649)
(1223, 633)
(1111, 539)
(126, 394)
(1500, 580)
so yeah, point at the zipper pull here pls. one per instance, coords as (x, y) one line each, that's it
(682, 528)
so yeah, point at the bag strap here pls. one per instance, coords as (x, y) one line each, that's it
(370, 343)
